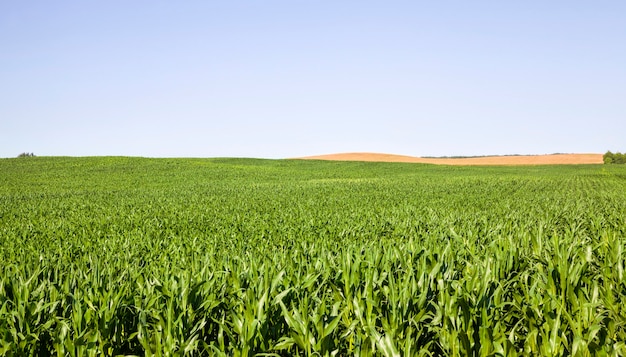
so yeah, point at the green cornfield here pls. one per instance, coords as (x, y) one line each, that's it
(108, 256)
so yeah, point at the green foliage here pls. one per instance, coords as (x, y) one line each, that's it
(237, 257)
(614, 158)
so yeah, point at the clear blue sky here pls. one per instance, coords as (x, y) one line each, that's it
(278, 79)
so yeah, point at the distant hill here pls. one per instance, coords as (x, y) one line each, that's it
(551, 159)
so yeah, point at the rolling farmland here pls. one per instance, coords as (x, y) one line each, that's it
(242, 257)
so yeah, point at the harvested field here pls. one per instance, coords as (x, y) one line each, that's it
(552, 159)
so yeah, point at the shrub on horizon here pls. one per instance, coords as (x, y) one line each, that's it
(614, 158)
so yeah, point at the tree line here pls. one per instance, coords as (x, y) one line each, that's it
(614, 158)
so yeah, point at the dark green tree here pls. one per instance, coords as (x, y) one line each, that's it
(614, 158)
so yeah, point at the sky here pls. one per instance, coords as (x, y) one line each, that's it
(282, 79)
